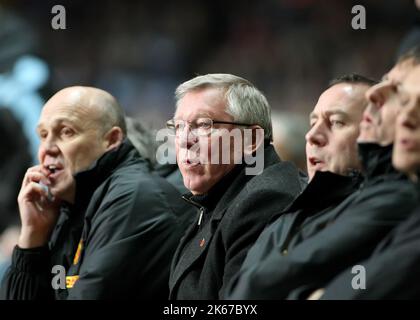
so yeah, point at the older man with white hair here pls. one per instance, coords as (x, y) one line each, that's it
(221, 123)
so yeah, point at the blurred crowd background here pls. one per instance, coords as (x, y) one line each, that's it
(141, 50)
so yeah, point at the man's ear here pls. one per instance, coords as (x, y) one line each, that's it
(253, 139)
(113, 138)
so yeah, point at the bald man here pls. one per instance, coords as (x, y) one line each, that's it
(96, 223)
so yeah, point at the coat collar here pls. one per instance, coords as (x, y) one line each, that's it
(217, 200)
(229, 186)
(376, 159)
(324, 188)
(89, 180)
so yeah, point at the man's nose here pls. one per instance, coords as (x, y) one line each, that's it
(187, 138)
(49, 146)
(316, 135)
(378, 93)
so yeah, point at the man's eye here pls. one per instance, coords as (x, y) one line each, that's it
(203, 125)
(337, 123)
(67, 132)
(43, 135)
(403, 100)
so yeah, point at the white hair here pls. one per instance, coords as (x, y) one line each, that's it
(245, 103)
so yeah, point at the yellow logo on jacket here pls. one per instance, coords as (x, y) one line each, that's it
(70, 281)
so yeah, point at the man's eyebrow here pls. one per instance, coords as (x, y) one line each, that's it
(336, 111)
(204, 115)
(56, 122)
(312, 115)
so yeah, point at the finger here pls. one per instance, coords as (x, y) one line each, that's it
(36, 195)
(33, 192)
(40, 191)
(38, 167)
(40, 195)
(37, 177)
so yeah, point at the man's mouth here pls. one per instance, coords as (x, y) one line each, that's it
(366, 125)
(408, 144)
(367, 132)
(53, 170)
(189, 158)
(316, 163)
(191, 162)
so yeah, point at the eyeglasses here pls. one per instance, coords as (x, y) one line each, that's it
(200, 127)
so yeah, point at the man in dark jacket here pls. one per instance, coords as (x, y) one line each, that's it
(392, 271)
(234, 200)
(96, 224)
(309, 245)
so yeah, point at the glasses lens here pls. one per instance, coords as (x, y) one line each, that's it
(204, 126)
(200, 127)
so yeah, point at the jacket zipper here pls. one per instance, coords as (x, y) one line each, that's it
(197, 205)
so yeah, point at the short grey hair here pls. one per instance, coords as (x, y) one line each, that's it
(245, 103)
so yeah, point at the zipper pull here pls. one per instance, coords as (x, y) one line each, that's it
(201, 215)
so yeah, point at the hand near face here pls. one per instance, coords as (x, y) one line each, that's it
(38, 213)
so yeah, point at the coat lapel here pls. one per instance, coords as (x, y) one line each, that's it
(189, 233)
(193, 246)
